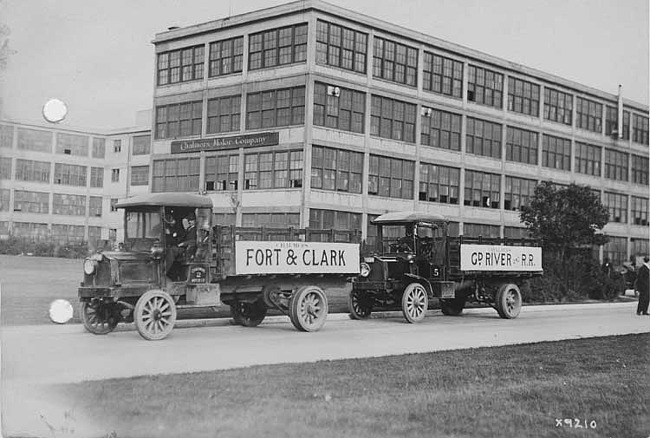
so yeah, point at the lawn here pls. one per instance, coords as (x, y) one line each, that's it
(595, 387)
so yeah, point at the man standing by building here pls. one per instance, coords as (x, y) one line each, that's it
(642, 285)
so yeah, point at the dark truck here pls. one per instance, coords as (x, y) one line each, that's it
(250, 269)
(416, 260)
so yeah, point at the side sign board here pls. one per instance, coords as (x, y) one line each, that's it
(500, 258)
(252, 257)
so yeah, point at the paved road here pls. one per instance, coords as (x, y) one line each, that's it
(33, 356)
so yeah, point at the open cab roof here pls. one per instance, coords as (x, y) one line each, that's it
(166, 200)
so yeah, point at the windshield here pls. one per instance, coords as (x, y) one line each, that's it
(140, 224)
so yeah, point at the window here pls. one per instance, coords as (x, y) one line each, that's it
(338, 46)
(339, 108)
(221, 172)
(616, 250)
(4, 201)
(114, 204)
(391, 177)
(523, 97)
(518, 192)
(484, 86)
(271, 220)
(34, 140)
(589, 115)
(179, 120)
(392, 119)
(334, 219)
(226, 56)
(611, 122)
(96, 177)
(482, 189)
(617, 206)
(71, 144)
(640, 129)
(439, 184)
(95, 206)
(395, 62)
(5, 168)
(640, 170)
(28, 170)
(70, 174)
(286, 45)
(521, 146)
(483, 138)
(180, 65)
(139, 175)
(640, 247)
(31, 202)
(94, 235)
(442, 75)
(482, 230)
(67, 233)
(639, 211)
(558, 106)
(99, 148)
(141, 144)
(35, 231)
(224, 114)
(556, 152)
(273, 170)
(274, 108)
(176, 175)
(440, 129)
(6, 136)
(117, 146)
(616, 165)
(516, 233)
(115, 175)
(588, 158)
(336, 169)
(225, 218)
(70, 205)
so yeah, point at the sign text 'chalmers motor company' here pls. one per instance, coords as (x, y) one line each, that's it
(232, 142)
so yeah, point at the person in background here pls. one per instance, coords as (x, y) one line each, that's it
(642, 285)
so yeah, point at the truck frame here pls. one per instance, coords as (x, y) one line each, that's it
(416, 260)
(249, 269)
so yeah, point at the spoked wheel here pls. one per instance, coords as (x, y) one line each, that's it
(308, 309)
(452, 307)
(155, 315)
(99, 318)
(248, 314)
(360, 304)
(508, 301)
(414, 302)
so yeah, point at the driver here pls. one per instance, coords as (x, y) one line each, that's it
(186, 247)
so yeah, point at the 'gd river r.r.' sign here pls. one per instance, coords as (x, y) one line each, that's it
(254, 257)
(500, 258)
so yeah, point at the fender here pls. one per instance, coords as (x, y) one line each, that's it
(424, 282)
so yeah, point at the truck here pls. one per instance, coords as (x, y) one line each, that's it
(415, 260)
(250, 269)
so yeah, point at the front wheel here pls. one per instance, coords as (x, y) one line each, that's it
(98, 318)
(508, 301)
(308, 309)
(360, 304)
(155, 315)
(248, 314)
(414, 302)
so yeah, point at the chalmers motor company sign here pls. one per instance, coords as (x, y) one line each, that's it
(232, 142)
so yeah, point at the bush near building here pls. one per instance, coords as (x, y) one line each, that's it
(14, 245)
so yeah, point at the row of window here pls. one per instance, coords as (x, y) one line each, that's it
(345, 48)
(26, 201)
(38, 140)
(58, 233)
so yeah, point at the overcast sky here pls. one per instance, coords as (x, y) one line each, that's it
(97, 56)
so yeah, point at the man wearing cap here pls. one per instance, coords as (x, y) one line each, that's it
(642, 285)
(187, 245)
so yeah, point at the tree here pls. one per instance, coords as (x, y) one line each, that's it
(565, 217)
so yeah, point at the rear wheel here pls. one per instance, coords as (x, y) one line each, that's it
(99, 318)
(452, 307)
(248, 314)
(155, 315)
(308, 309)
(508, 301)
(414, 302)
(360, 304)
